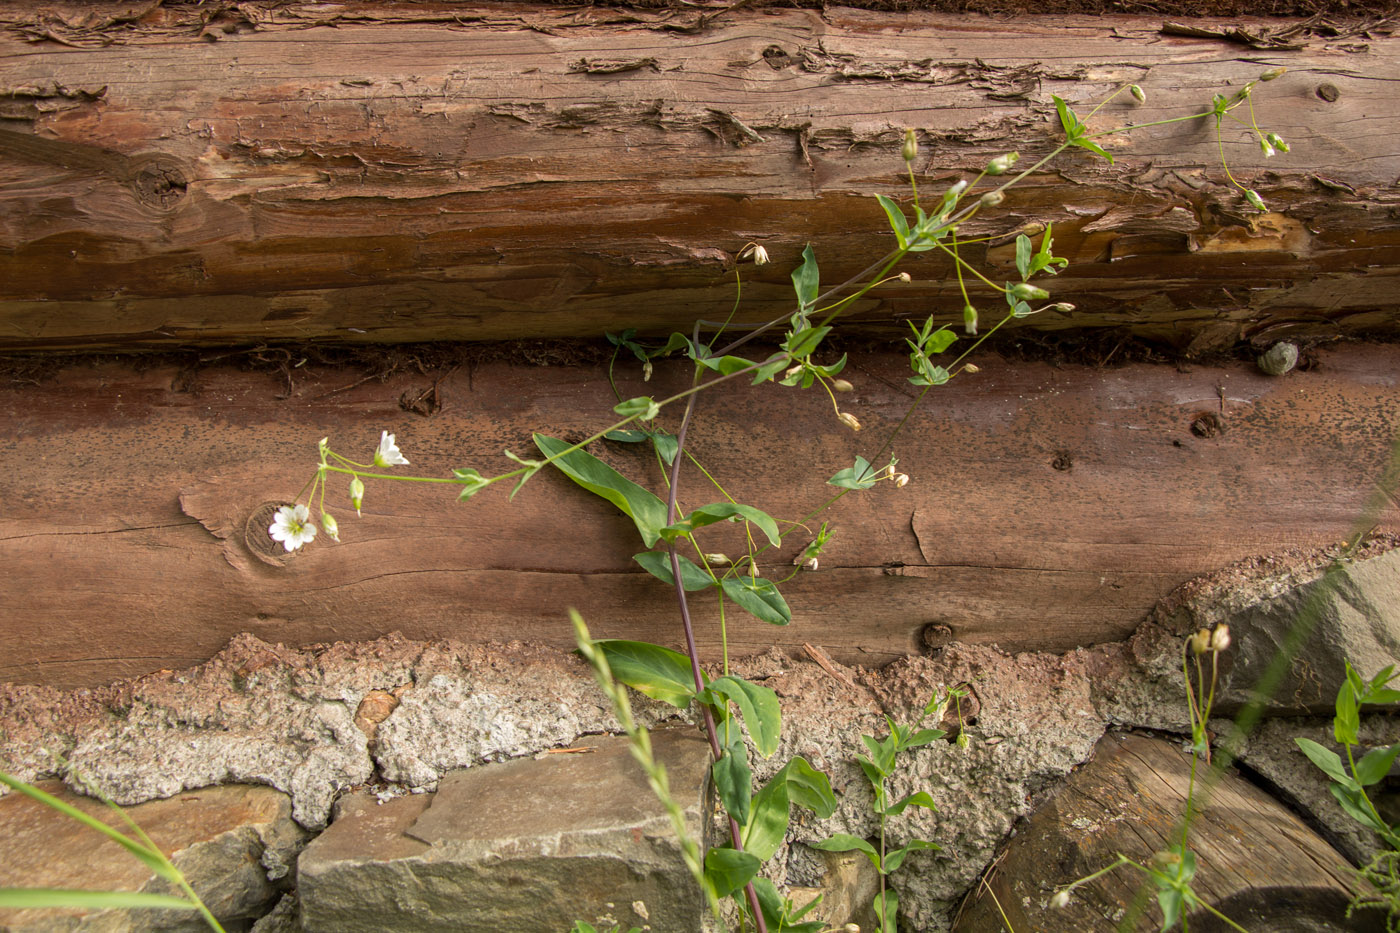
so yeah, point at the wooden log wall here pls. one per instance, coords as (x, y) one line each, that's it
(187, 173)
(1050, 505)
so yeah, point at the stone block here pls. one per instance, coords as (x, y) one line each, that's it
(526, 845)
(234, 845)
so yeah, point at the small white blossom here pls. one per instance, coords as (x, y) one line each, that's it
(388, 453)
(1060, 900)
(901, 479)
(292, 526)
(1220, 638)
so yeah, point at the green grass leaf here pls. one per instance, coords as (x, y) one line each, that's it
(637, 503)
(38, 898)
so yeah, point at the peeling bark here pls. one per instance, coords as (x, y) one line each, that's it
(201, 174)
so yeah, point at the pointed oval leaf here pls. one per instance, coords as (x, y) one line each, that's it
(806, 279)
(758, 706)
(643, 407)
(658, 564)
(720, 511)
(637, 503)
(919, 799)
(898, 223)
(657, 672)
(759, 598)
(734, 780)
(896, 858)
(1375, 764)
(844, 842)
(729, 869)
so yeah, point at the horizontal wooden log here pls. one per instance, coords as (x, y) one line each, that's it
(1049, 507)
(406, 171)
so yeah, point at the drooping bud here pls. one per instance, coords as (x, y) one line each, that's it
(1199, 642)
(911, 146)
(971, 369)
(357, 493)
(901, 480)
(905, 277)
(1060, 900)
(1277, 142)
(841, 385)
(760, 255)
(1023, 291)
(993, 199)
(1165, 860)
(1254, 200)
(849, 420)
(1002, 164)
(811, 564)
(1220, 638)
(719, 560)
(646, 371)
(970, 320)
(1272, 73)
(956, 189)
(1267, 148)
(328, 523)
(1064, 307)
(1138, 93)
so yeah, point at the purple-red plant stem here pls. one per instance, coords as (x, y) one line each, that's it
(734, 832)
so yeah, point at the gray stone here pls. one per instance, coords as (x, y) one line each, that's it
(1279, 358)
(284, 918)
(525, 845)
(221, 838)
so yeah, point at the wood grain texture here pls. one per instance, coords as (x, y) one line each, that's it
(1256, 862)
(396, 172)
(1049, 508)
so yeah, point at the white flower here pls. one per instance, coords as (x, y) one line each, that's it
(388, 453)
(292, 526)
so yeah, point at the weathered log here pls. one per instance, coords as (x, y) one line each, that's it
(1257, 863)
(406, 171)
(1050, 506)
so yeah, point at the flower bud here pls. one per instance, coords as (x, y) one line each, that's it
(1060, 901)
(1199, 642)
(328, 523)
(849, 420)
(956, 190)
(1220, 638)
(646, 371)
(1025, 292)
(792, 371)
(901, 480)
(357, 493)
(911, 146)
(1002, 164)
(1138, 93)
(1064, 307)
(905, 277)
(811, 564)
(1254, 200)
(970, 320)
(1164, 860)
(718, 559)
(841, 385)
(993, 199)
(1268, 149)
(760, 255)
(1277, 142)
(1272, 73)
(972, 369)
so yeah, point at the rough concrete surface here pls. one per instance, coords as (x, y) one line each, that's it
(317, 721)
(236, 845)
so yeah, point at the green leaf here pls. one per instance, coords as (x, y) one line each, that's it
(637, 503)
(1068, 120)
(803, 342)
(886, 906)
(898, 223)
(923, 737)
(1326, 759)
(724, 365)
(770, 369)
(1094, 148)
(1346, 725)
(806, 280)
(798, 782)
(1353, 800)
(472, 483)
(152, 859)
(734, 780)
(758, 597)
(759, 707)
(1023, 256)
(624, 436)
(859, 476)
(658, 564)
(1375, 764)
(729, 869)
(940, 340)
(722, 511)
(657, 672)
(643, 407)
(1044, 260)
(896, 858)
(919, 799)
(39, 898)
(844, 842)
(881, 753)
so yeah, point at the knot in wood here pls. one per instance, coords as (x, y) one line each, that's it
(160, 183)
